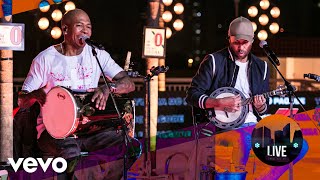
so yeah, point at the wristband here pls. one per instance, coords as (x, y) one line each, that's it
(261, 107)
(23, 92)
(113, 88)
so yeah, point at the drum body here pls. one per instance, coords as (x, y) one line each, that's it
(69, 113)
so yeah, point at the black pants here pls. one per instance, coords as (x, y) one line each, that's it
(108, 143)
(71, 147)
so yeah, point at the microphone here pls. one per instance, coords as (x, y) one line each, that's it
(91, 43)
(159, 69)
(272, 56)
(312, 76)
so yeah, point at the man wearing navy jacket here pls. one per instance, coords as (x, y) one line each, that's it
(234, 66)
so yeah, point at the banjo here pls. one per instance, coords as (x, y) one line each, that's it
(228, 120)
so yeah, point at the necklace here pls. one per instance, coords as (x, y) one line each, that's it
(61, 46)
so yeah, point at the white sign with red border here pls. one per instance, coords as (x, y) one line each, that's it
(12, 36)
(154, 42)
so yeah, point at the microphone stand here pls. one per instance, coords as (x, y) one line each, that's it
(123, 126)
(147, 159)
(291, 95)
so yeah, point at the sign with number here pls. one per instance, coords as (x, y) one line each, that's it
(12, 36)
(154, 45)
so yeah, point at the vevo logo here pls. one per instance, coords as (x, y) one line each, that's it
(30, 164)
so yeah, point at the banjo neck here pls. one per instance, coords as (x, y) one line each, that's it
(278, 91)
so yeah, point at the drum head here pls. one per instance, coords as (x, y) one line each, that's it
(60, 113)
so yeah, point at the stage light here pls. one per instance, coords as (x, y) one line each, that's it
(168, 32)
(254, 25)
(178, 8)
(264, 15)
(43, 23)
(56, 15)
(263, 19)
(167, 2)
(275, 12)
(262, 35)
(167, 16)
(178, 24)
(56, 32)
(44, 6)
(274, 28)
(57, 1)
(252, 11)
(264, 4)
(190, 62)
(69, 6)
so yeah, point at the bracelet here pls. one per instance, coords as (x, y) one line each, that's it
(23, 92)
(113, 88)
(259, 108)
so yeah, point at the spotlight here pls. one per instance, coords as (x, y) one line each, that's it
(56, 15)
(69, 6)
(252, 11)
(254, 25)
(56, 32)
(262, 35)
(44, 6)
(167, 2)
(178, 8)
(168, 32)
(43, 23)
(57, 1)
(167, 16)
(263, 19)
(274, 28)
(275, 12)
(178, 24)
(264, 4)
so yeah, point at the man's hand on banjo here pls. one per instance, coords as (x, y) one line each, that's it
(259, 102)
(229, 104)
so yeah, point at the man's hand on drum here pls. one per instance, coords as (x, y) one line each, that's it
(100, 96)
(26, 99)
(229, 104)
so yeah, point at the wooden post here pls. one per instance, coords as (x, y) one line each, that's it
(162, 76)
(153, 21)
(6, 101)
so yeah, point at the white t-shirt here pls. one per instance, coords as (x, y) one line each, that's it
(242, 84)
(79, 72)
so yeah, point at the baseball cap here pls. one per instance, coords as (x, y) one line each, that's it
(241, 28)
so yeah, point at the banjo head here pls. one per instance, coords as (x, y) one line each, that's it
(227, 120)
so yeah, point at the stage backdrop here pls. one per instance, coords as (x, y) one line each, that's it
(175, 114)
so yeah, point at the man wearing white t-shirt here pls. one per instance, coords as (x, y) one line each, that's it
(71, 64)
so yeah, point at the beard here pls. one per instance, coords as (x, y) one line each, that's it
(241, 53)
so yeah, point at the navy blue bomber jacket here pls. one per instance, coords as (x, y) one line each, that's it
(219, 70)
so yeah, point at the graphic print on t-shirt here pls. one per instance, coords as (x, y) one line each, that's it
(75, 76)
